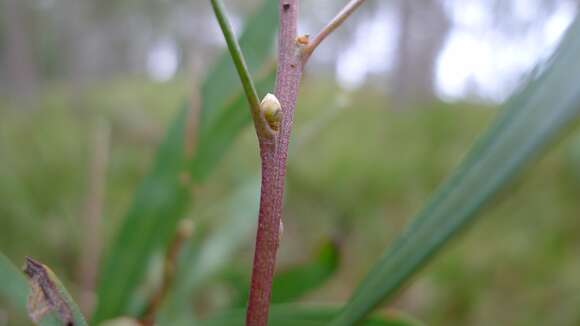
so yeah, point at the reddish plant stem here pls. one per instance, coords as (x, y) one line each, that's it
(266, 240)
(274, 154)
(292, 56)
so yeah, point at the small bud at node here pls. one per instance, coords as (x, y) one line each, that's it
(272, 111)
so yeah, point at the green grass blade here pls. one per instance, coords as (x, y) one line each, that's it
(162, 199)
(205, 258)
(158, 204)
(295, 282)
(531, 120)
(49, 303)
(13, 285)
(214, 142)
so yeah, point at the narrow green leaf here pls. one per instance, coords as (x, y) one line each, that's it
(292, 284)
(531, 120)
(213, 142)
(209, 257)
(158, 204)
(49, 303)
(222, 84)
(205, 259)
(163, 197)
(13, 285)
(291, 315)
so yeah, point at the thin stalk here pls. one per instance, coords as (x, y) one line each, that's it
(293, 53)
(240, 63)
(93, 215)
(351, 7)
(274, 156)
(184, 232)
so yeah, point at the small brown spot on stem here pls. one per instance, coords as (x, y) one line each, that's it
(286, 6)
(303, 40)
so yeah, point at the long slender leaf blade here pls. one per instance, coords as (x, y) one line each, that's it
(214, 142)
(296, 282)
(161, 195)
(532, 119)
(209, 257)
(214, 253)
(162, 199)
(293, 283)
(13, 285)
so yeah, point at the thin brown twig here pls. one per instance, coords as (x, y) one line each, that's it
(92, 219)
(351, 7)
(184, 231)
(192, 125)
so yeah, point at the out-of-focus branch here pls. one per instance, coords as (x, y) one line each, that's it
(192, 125)
(351, 7)
(184, 231)
(92, 222)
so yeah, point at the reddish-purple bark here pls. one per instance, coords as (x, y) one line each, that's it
(274, 154)
(293, 53)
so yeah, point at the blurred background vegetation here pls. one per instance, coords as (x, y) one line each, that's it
(388, 107)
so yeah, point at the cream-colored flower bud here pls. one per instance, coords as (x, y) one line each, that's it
(272, 111)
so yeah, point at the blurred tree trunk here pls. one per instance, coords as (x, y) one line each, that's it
(19, 57)
(423, 29)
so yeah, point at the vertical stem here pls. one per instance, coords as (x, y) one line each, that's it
(274, 154)
(92, 219)
(266, 240)
(183, 233)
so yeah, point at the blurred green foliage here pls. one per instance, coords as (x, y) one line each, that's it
(531, 121)
(517, 267)
(167, 190)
